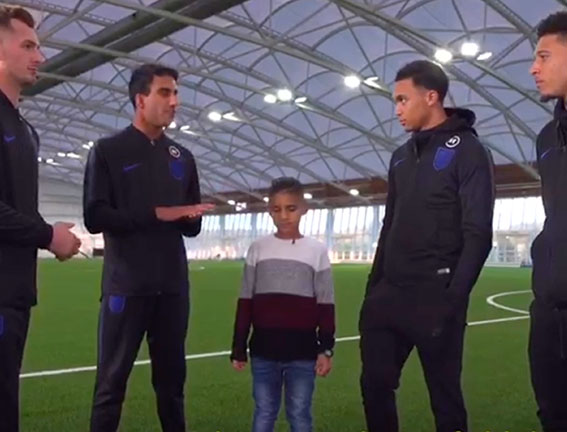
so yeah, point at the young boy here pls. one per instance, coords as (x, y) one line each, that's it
(287, 295)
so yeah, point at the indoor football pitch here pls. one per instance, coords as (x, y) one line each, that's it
(58, 373)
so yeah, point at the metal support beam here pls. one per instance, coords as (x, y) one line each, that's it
(273, 44)
(293, 133)
(398, 29)
(514, 19)
(415, 38)
(263, 149)
(128, 34)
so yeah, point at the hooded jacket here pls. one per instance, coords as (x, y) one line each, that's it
(549, 249)
(438, 224)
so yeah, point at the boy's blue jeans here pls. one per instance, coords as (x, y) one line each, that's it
(298, 381)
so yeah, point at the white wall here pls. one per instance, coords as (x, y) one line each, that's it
(62, 202)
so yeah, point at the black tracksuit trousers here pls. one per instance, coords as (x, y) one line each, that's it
(13, 331)
(386, 347)
(123, 322)
(548, 364)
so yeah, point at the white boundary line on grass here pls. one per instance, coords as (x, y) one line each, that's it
(489, 300)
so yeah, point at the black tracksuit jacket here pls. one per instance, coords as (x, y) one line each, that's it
(549, 249)
(127, 177)
(438, 222)
(22, 229)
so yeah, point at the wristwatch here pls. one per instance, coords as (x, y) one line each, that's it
(328, 353)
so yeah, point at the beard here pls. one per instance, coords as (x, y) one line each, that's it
(26, 81)
(550, 97)
(547, 98)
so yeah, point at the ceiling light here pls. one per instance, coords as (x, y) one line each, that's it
(61, 154)
(354, 192)
(185, 129)
(307, 196)
(270, 98)
(231, 202)
(469, 49)
(285, 95)
(173, 125)
(352, 81)
(443, 56)
(91, 144)
(230, 116)
(266, 199)
(73, 156)
(215, 116)
(373, 82)
(484, 56)
(86, 146)
(39, 159)
(300, 100)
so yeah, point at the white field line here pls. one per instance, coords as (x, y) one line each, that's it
(489, 300)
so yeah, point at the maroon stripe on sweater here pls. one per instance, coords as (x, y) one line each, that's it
(241, 329)
(284, 311)
(326, 318)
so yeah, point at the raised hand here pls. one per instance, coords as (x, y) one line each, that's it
(172, 214)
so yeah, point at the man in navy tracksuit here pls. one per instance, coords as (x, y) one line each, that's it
(436, 236)
(142, 192)
(22, 229)
(548, 332)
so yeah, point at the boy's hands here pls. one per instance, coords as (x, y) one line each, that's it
(238, 365)
(324, 365)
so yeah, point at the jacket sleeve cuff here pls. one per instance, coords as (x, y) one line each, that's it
(238, 355)
(45, 236)
(326, 342)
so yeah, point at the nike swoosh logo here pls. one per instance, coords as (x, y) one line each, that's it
(131, 167)
(545, 153)
(9, 138)
(398, 162)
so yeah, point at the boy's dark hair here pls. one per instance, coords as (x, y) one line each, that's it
(8, 13)
(142, 79)
(426, 74)
(286, 184)
(554, 24)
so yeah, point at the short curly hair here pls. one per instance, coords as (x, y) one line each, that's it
(426, 74)
(287, 185)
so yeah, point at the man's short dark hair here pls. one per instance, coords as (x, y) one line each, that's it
(142, 79)
(554, 24)
(286, 184)
(8, 13)
(426, 74)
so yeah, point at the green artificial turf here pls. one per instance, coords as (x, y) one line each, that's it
(63, 335)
